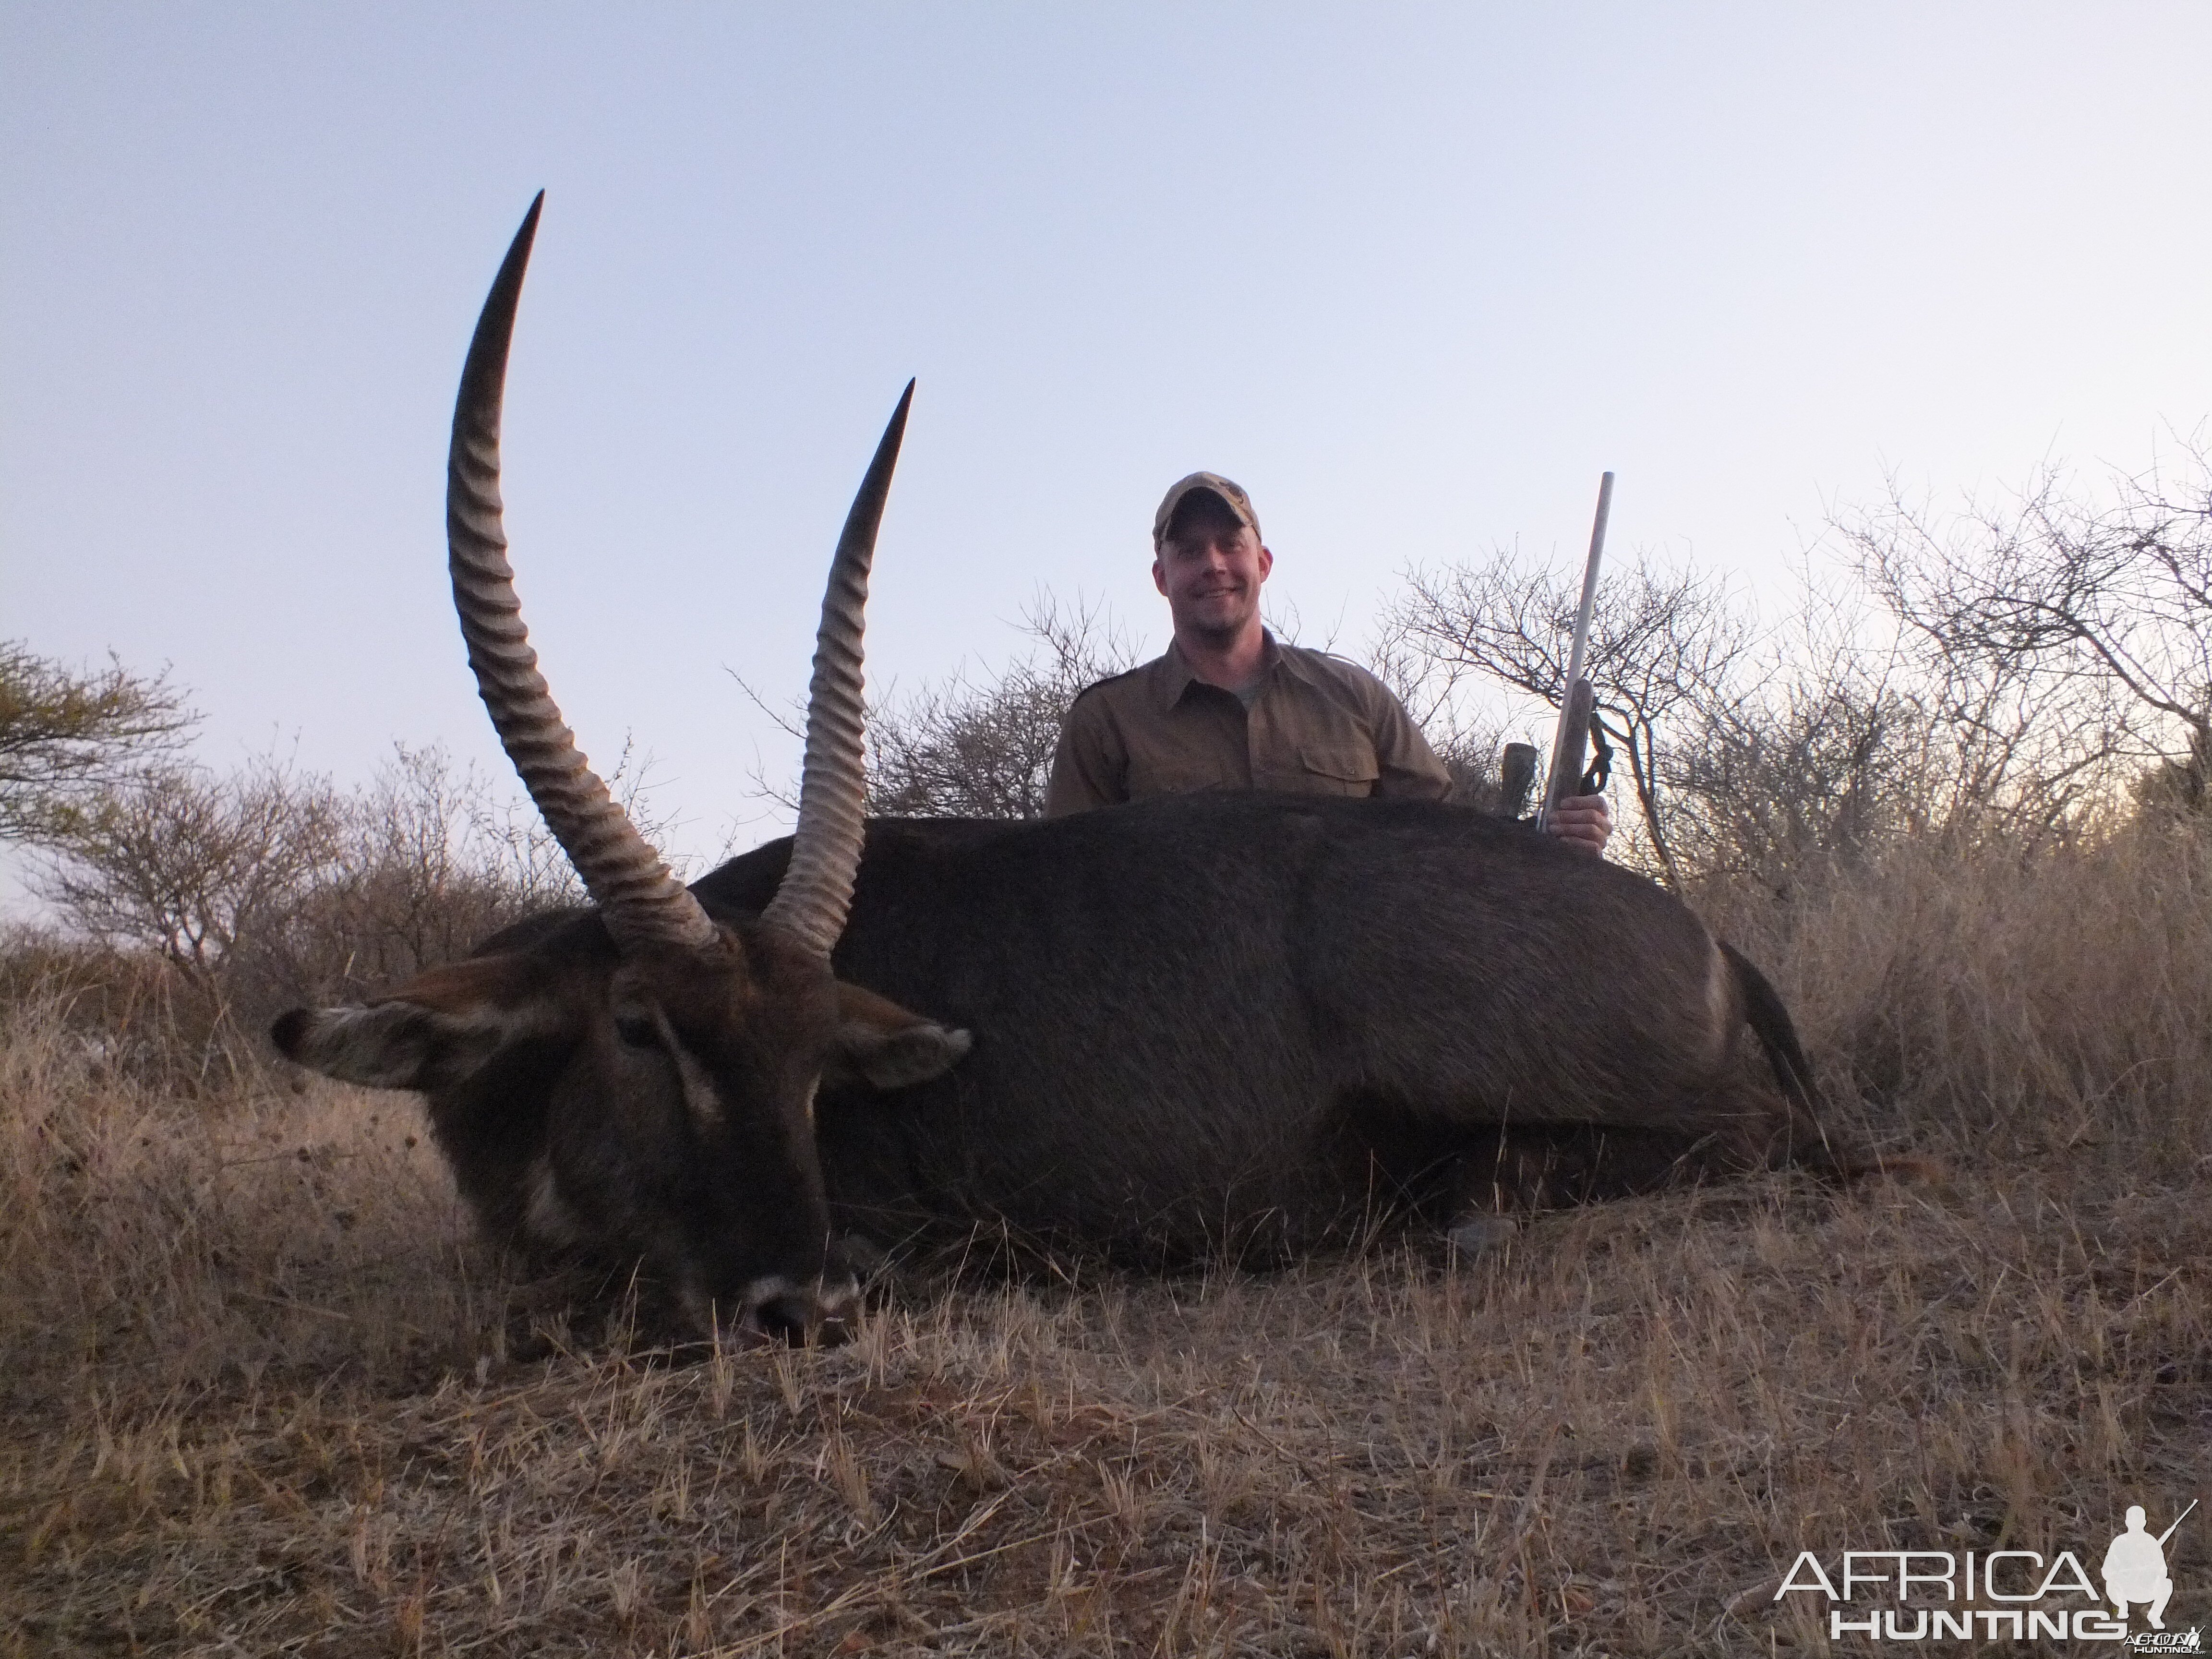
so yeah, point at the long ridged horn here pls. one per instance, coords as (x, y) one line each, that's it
(641, 903)
(817, 890)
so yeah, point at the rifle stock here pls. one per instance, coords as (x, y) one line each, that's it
(1517, 780)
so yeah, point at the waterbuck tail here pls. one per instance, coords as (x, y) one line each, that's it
(1775, 1031)
(1813, 1145)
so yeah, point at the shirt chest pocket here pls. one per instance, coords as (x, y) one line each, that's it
(1336, 767)
(1177, 774)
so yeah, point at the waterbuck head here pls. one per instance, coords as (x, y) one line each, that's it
(638, 1083)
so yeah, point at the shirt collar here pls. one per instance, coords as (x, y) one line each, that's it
(1174, 676)
(1289, 662)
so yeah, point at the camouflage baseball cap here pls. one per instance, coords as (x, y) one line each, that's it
(1232, 497)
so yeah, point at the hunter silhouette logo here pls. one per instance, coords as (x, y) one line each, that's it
(2134, 1566)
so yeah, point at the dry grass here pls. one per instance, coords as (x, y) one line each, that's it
(263, 1396)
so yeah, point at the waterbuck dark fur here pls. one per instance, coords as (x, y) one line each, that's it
(1247, 1022)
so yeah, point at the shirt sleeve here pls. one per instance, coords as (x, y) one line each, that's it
(1405, 764)
(1090, 768)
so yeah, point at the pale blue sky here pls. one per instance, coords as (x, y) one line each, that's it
(1414, 275)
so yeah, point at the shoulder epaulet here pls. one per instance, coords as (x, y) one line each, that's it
(1336, 657)
(1111, 679)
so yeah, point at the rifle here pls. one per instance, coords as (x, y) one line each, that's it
(1572, 739)
(2178, 1520)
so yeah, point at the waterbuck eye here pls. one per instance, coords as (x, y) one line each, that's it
(636, 1033)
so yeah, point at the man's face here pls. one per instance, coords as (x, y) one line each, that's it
(1211, 568)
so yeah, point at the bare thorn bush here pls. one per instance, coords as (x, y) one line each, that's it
(226, 897)
(2072, 635)
(68, 735)
(1664, 644)
(960, 749)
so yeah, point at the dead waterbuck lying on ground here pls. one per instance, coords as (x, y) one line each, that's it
(1189, 1026)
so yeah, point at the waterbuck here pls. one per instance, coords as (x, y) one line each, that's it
(1191, 1024)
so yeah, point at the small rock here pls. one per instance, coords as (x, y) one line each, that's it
(1477, 1233)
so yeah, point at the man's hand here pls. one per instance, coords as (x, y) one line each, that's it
(1584, 820)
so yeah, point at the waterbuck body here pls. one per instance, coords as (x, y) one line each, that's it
(1194, 1024)
(1215, 1024)
(1248, 1021)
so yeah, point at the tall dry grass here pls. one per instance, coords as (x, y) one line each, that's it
(2045, 1004)
(264, 1396)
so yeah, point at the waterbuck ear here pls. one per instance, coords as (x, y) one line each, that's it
(880, 1042)
(432, 1033)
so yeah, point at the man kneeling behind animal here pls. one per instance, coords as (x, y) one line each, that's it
(1227, 707)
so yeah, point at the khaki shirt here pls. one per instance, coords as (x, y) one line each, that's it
(1318, 725)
